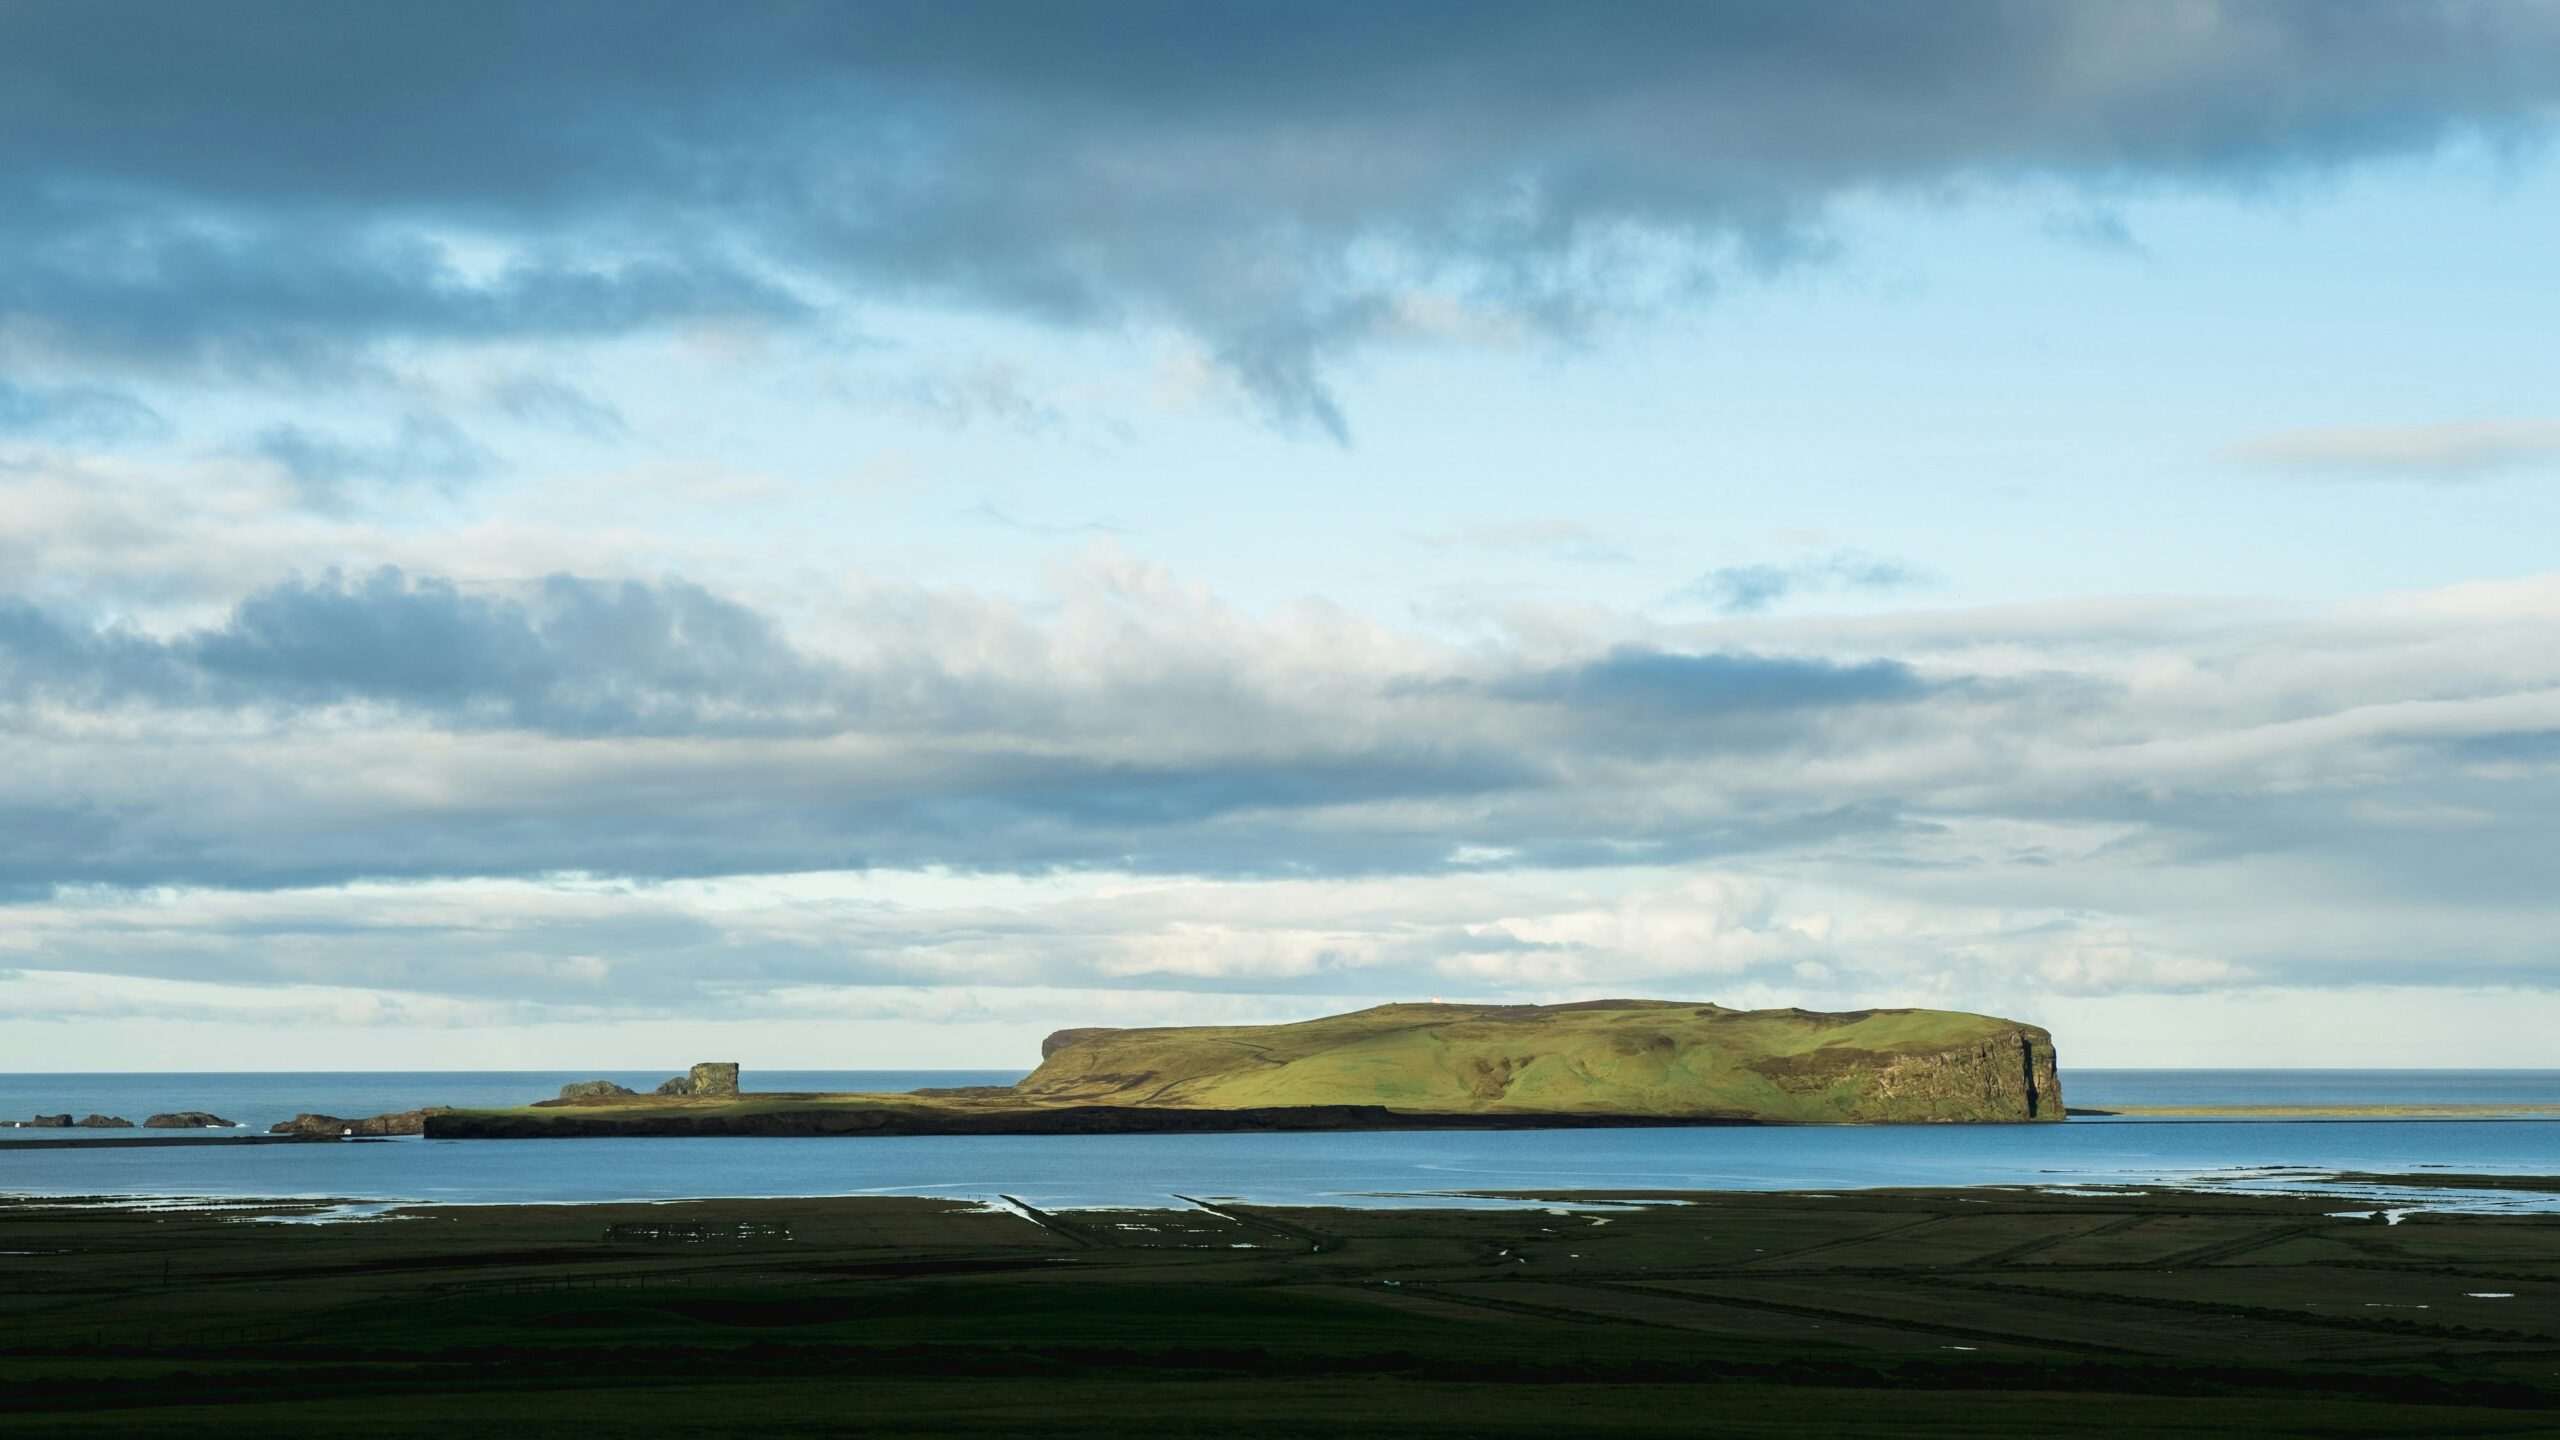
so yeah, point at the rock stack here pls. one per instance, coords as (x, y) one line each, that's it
(710, 1080)
(189, 1120)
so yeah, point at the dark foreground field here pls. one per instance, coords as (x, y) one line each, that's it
(1972, 1314)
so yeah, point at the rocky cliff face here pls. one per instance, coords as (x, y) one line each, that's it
(710, 1080)
(2007, 1077)
(1060, 1039)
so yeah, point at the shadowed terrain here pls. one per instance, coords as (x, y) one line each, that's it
(1973, 1313)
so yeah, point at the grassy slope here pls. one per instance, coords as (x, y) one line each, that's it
(1636, 1057)
(1622, 1058)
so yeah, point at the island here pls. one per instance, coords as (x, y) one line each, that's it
(1405, 1066)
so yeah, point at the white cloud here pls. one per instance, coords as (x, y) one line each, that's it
(2446, 452)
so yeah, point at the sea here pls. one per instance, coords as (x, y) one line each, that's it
(1361, 1168)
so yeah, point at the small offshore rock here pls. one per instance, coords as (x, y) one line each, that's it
(41, 1122)
(594, 1090)
(680, 1086)
(105, 1122)
(331, 1127)
(189, 1120)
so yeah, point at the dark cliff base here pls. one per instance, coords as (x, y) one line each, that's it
(563, 1122)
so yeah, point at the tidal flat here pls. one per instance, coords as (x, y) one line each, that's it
(1975, 1312)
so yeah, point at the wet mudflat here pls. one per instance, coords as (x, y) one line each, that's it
(1911, 1313)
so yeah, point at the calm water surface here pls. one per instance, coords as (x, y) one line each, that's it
(1368, 1168)
(2102, 1088)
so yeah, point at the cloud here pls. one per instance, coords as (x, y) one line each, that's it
(1751, 589)
(1655, 683)
(486, 791)
(1551, 537)
(762, 946)
(325, 467)
(2098, 227)
(2092, 760)
(993, 514)
(92, 413)
(2443, 454)
(564, 655)
(1283, 185)
(993, 391)
(542, 400)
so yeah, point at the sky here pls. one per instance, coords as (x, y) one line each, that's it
(608, 534)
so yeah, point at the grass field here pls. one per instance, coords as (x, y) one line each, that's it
(1972, 1313)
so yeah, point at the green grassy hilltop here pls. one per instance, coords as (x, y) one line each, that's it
(1653, 1058)
(1412, 1066)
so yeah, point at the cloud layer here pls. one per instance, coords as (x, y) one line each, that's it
(1280, 183)
(2449, 453)
(2131, 797)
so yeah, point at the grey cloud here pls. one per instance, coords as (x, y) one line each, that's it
(2448, 453)
(570, 656)
(306, 295)
(1751, 589)
(2144, 798)
(422, 448)
(789, 759)
(390, 726)
(2098, 228)
(2523, 746)
(94, 413)
(541, 400)
(1665, 685)
(991, 391)
(1275, 180)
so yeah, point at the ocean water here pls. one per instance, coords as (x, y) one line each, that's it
(1363, 1168)
(1332, 1169)
(2103, 1088)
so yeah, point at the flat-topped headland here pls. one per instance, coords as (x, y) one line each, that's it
(1421, 1066)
